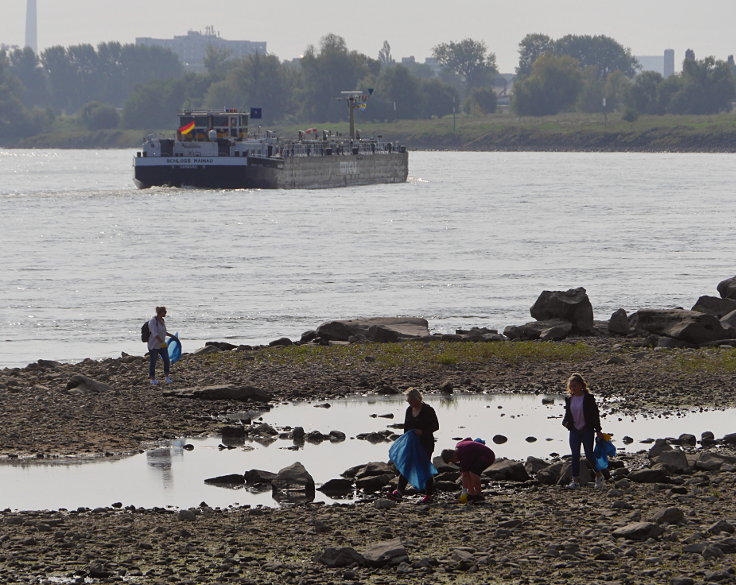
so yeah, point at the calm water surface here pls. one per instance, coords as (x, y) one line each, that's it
(173, 476)
(470, 240)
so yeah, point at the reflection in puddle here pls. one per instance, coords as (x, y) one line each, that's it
(174, 475)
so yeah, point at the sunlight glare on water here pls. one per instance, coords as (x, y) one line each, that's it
(470, 240)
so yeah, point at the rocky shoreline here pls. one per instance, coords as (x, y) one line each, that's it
(672, 523)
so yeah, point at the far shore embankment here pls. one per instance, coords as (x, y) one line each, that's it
(495, 132)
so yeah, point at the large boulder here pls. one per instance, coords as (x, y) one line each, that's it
(710, 461)
(386, 553)
(548, 330)
(669, 515)
(660, 446)
(728, 322)
(639, 531)
(727, 288)
(714, 306)
(572, 305)
(373, 483)
(534, 465)
(336, 487)
(618, 324)
(232, 480)
(688, 326)
(374, 328)
(258, 476)
(374, 468)
(340, 557)
(293, 477)
(565, 472)
(649, 475)
(507, 470)
(550, 475)
(80, 384)
(674, 461)
(222, 392)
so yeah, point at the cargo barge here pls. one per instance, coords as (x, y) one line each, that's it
(216, 150)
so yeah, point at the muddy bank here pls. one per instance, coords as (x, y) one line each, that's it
(524, 534)
(678, 530)
(42, 418)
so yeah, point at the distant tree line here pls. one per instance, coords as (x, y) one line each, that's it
(130, 86)
(593, 73)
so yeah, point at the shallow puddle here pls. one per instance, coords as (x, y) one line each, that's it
(174, 476)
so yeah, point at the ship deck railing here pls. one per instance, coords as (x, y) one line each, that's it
(327, 148)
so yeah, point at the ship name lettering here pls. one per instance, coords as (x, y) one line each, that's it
(348, 167)
(189, 161)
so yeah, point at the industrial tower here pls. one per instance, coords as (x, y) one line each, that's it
(31, 28)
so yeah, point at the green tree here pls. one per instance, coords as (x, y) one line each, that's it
(384, 55)
(61, 77)
(216, 61)
(590, 99)
(97, 116)
(553, 86)
(420, 70)
(255, 81)
(707, 88)
(615, 90)
(469, 59)
(85, 66)
(438, 98)
(79, 74)
(599, 51)
(644, 95)
(154, 105)
(16, 120)
(24, 64)
(111, 74)
(482, 101)
(328, 72)
(402, 92)
(532, 47)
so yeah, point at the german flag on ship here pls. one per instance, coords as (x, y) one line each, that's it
(187, 128)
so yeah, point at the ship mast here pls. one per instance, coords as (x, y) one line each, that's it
(354, 99)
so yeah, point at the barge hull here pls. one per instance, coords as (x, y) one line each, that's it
(315, 172)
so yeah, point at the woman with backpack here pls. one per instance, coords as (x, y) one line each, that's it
(157, 345)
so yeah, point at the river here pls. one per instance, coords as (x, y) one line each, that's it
(470, 240)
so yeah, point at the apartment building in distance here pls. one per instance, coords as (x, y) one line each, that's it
(192, 47)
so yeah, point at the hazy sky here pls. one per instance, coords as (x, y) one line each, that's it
(411, 27)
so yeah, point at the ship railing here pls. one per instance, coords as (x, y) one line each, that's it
(285, 149)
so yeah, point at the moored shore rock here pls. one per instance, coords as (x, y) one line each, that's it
(687, 326)
(572, 305)
(727, 288)
(374, 329)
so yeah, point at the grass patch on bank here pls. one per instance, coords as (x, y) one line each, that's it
(708, 361)
(392, 355)
(500, 131)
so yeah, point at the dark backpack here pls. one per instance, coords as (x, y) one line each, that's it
(145, 333)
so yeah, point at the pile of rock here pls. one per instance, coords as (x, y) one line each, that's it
(557, 315)
(711, 321)
(291, 484)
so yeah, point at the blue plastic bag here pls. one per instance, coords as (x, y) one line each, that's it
(411, 460)
(174, 349)
(603, 450)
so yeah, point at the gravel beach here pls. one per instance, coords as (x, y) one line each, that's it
(675, 528)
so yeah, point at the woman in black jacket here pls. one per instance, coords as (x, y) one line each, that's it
(583, 421)
(421, 419)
